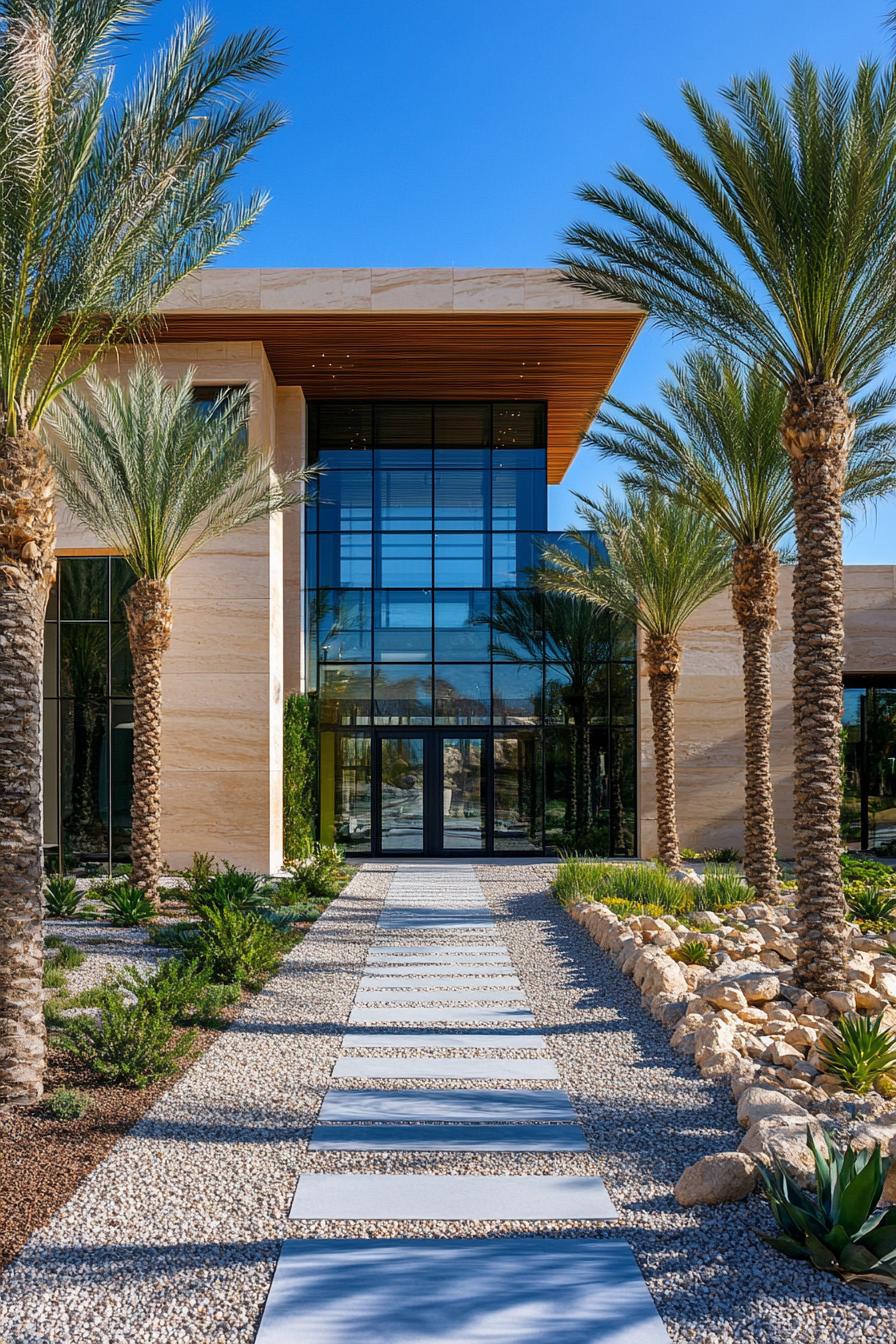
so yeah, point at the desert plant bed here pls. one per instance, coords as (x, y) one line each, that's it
(795, 1063)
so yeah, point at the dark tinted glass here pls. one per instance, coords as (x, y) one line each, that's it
(345, 791)
(463, 424)
(519, 424)
(84, 746)
(341, 424)
(516, 692)
(84, 654)
(84, 585)
(517, 794)
(122, 774)
(404, 424)
(462, 693)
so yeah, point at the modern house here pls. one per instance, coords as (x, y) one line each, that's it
(439, 406)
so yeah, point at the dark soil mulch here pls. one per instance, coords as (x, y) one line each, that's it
(42, 1160)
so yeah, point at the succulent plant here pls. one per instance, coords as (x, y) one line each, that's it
(872, 905)
(693, 953)
(858, 1051)
(839, 1228)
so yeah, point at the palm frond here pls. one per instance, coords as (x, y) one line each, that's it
(800, 190)
(154, 475)
(657, 561)
(108, 202)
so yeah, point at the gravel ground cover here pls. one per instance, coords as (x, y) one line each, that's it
(107, 950)
(174, 1237)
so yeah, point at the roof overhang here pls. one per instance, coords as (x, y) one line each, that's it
(446, 334)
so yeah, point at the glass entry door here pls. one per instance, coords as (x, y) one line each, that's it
(464, 806)
(402, 793)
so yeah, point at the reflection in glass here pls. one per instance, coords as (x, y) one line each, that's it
(851, 810)
(344, 560)
(121, 775)
(403, 631)
(344, 501)
(345, 791)
(84, 782)
(340, 624)
(401, 794)
(581, 700)
(344, 694)
(84, 657)
(869, 803)
(516, 692)
(515, 777)
(461, 560)
(461, 500)
(461, 625)
(84, 588)
(463, 794)
(404, 559)
(402, 693)
(463, 424)
(514, 556)
(403, 500)
(518, 504)
(462, 693)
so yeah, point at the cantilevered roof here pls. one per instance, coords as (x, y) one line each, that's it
(441, 333)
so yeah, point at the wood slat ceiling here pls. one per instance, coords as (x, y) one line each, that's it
(565, 359)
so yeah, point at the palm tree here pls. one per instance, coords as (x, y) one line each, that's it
(579, 636)
(156, 477)
(656, 561)
(798, 273)
(108, 200)
(716, 438)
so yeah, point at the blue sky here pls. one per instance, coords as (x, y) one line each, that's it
(454, 132)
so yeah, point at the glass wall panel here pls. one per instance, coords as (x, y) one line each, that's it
(84, 589)
(622, 692)
(340, 622)
(403, 630)
(463, 424)
(583, 700)
(346, 791)
(403, 500)
(514, 556)
(404, 459)
(559, 799)
(462, 630)
(344, 693)
(402, 793)
(851, 808)
(518, 505)
(345, 425)
(519, 424)
(462, 693)
(121, 749)
(403, 424)
(344, 501)
(402, 693)
(455, 459)
(516, 692)
(462, 500)
(464, 803)
(518, 627)
(344, 560)
(84, 742)
(516, 778)
(868, 815)
(461, 560)
(403, 559)
(623, 822)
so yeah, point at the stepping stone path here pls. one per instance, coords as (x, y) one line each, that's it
(461, 996)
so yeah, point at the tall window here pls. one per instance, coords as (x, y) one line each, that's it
(88, 717)
(868, 819)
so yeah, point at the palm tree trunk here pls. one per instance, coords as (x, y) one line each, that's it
(754, 593)
(27, 570)
(148, 611)
(663, 656)
(816, 430)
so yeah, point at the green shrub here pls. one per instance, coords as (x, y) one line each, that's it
(723, 887)
(200, 872)
(61, 897)
(858, 1050)
(322, 875)
(131, 1046)
(839, 1228)
(855, 869)
(238, 946)
(68, 957)
(299, 775)
(692, 953)
(181, 990)
(66, 1103)
(872, 905)
(232, 887)
(723, 854)
(642, 885)
(180, 936)
(53, 977)
(123, 905)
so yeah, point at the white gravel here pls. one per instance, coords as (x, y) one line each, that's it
(106, 950)
(175, 1235)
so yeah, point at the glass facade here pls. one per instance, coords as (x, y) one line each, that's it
(88, 719)
(437, 736)
(868, 817)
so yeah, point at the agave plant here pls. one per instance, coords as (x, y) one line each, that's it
(694, 952)
(125, 905)
(839, 1229)
(858, 1051)
(61, 897)
(872, 905)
